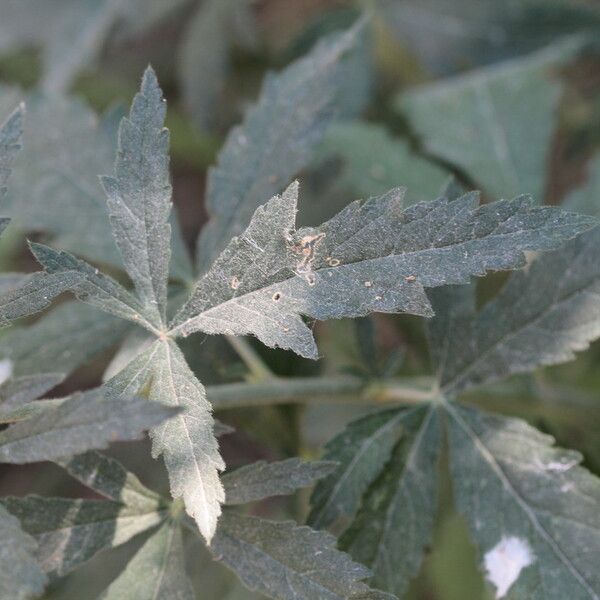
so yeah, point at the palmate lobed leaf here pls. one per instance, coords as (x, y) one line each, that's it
(372, 256)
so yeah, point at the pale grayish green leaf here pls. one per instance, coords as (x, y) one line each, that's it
(139, 197)
(63, 339)
(22, 577)
(542, 316)
(495, 123)
(17, 391)
(362, 451)
(373, 162)
(372, 256)
(36, 292)
(10, 144)
(532, 510)
(285, 561)
(10, 281)
(156, 572)
(395, 522)
(187, 442)
(109, 478)
(586, 199)
(93, 287)
(70, 531)
(275, 141)
(87, 420)
(262, 479)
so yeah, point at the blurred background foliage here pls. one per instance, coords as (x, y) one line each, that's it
(502, 94)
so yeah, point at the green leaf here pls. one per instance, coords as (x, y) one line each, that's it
(20, 390)
(362, 451)
(157, 571)
(542, 316)
(109, 478)
(10, 143)
(22, 578)
(93, 287)
(285, 561)
(86, 420)
(66, 337)
(373, 162)
(70, 531)
(372, 256)
(261, 479)
(395, 522)
(495, 123)
(275, 141)
(139, 197)
(188, 443)
(532, 511)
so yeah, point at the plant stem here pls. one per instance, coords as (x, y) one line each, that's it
(314, 390)
(255, 364)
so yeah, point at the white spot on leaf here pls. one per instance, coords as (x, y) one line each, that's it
(6, 369)
(505, 561)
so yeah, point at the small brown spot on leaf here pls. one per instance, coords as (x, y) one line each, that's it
(276, 296)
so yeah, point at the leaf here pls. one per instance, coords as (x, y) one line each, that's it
(139, 197)
(66, 337)
(284, 561)
(87, 420)
(261, 479)
(549, 534)
(109, 478)
(395, 522)
(187, 442)
(93, 287)
(157, 571)
(22, 577)
(275, 141)
(586, 199)
(372, 256)
(362, 451)
(20, 390)
(10, 143)
(373, 162)
(70, 531)
(495, 123)
(542, 316)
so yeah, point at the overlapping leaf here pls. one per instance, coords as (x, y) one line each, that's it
(275, 141)
(19, 391)
(372, 256)
(532, 511)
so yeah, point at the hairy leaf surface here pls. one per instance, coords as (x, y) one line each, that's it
(261, 479)
(285, 561)
(372, 256)
(532, 511)
(18, 391)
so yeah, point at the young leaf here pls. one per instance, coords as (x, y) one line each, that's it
(157, 571)
(540, 317)
(275, 141)
(373, 162)
(547, 541)
(93, 287)
(86, 420)
(495, 123)
(261, 479)
(22, 578)
(362, 451)
(372, 256)
(70, 531)
(188, 443)
(285, 561)
(139, 197)
(395, 523)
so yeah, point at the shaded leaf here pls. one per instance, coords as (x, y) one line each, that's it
(20, 390)
(261, 479)
(547, 542)
(395, 523)
(586, 199)
(86, 420)
(285, 561)
(274, 143)
(10, 143)
(495, 123)
(22, 577)
(372, 256)
(157, 571)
